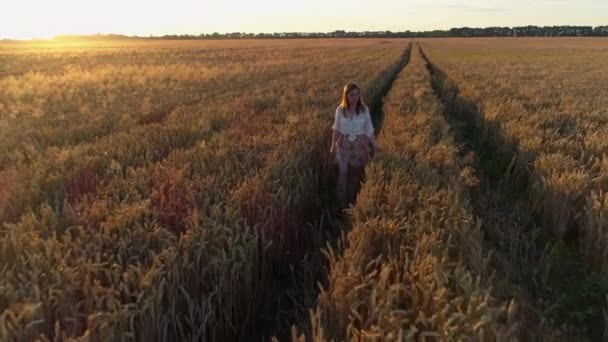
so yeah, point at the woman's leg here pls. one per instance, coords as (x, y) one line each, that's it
(354, 184)
(357, 171)
(342, 179)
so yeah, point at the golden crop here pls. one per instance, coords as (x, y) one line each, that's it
(549, 98)
(183, 190)
(150, 186)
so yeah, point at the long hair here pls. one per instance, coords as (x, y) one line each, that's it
(360, 106)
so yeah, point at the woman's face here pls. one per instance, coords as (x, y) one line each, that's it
(353, 96)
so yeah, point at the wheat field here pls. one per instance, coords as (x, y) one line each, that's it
(184, 191)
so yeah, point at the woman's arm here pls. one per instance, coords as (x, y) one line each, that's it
(369, 130)
(372, 139)
(335, 138)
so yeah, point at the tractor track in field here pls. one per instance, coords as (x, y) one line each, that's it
(334, 223)
(530, 262)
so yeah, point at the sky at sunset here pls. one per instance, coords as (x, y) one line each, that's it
(25, 19)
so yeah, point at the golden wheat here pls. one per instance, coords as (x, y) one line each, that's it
(129, 212)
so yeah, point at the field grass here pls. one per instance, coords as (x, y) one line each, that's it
(536, 110)
(183, 190)
(149, 189)
(534, 282)
(415, 266)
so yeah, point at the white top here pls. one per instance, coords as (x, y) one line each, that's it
(356, 125)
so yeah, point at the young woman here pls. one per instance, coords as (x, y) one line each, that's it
(353, 134)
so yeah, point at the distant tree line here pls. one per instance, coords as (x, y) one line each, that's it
(517, 31)
(530, 31)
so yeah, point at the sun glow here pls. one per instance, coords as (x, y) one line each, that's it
(43, 20)
(25, 19)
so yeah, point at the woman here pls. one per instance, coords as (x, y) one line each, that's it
(353, 133)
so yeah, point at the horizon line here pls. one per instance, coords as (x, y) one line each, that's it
(122, 35)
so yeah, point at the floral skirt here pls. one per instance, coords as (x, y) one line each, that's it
(356, 152)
